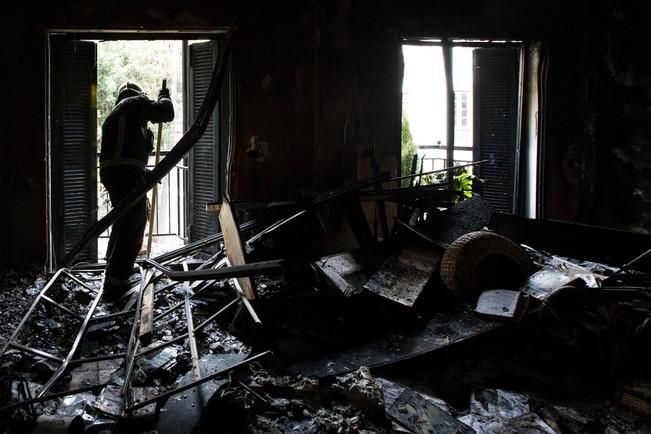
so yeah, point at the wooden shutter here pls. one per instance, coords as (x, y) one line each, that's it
(496, 81)
(206, 159)
(74, 145)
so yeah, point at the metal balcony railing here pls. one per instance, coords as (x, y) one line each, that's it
(170, 217)
(429, 164)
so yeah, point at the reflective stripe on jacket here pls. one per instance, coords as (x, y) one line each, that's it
(125, 136)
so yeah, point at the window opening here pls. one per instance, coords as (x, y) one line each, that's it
(426, 114)
(424, 103)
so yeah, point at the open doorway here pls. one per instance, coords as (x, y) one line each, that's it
(147, 63)
(85, 71)
(468, 113)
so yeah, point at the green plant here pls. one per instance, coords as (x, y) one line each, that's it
(434, 178)
(408, 150)
(462, 183)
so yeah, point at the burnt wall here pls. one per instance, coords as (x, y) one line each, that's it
(318, 92)
(598, 119)
(22, 151)
(318, 88)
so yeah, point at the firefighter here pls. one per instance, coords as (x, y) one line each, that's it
(126, 144)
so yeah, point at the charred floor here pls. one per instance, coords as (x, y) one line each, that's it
(386, 338)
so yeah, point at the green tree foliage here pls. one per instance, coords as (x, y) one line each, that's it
(462, 178)
(408, 149)
(146, 62)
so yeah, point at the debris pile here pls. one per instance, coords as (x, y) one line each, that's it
(267, 327)
(73, 355)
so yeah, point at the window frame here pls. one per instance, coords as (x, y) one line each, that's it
(529, 134)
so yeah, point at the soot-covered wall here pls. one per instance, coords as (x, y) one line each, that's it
(598, 136)
(318, 88)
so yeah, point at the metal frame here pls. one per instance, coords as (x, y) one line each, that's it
(204, 277)
(451, 111)
(460, 42)
(132, 348)
(251, 269)
(164, 396)
(140, 33)
(200, 244)
(64, 361)
(133, 351)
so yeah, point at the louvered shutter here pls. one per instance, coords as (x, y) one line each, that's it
(74, 145)
(206, 157)
(496, 80)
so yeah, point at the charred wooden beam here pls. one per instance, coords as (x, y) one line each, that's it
(233, 246)
(194, 351)
(147, 315)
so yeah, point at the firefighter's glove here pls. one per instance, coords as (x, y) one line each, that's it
(164, 93)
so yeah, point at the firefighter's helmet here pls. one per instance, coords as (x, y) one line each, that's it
(129, 89)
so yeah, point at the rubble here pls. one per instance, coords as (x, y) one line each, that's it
(67, 424)
(295, 343)
(499, 411)
(402, 277)
(636, 396)
(420, 415)
(92, 365)
(267, 403)
(349, 271)
(502, 304)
